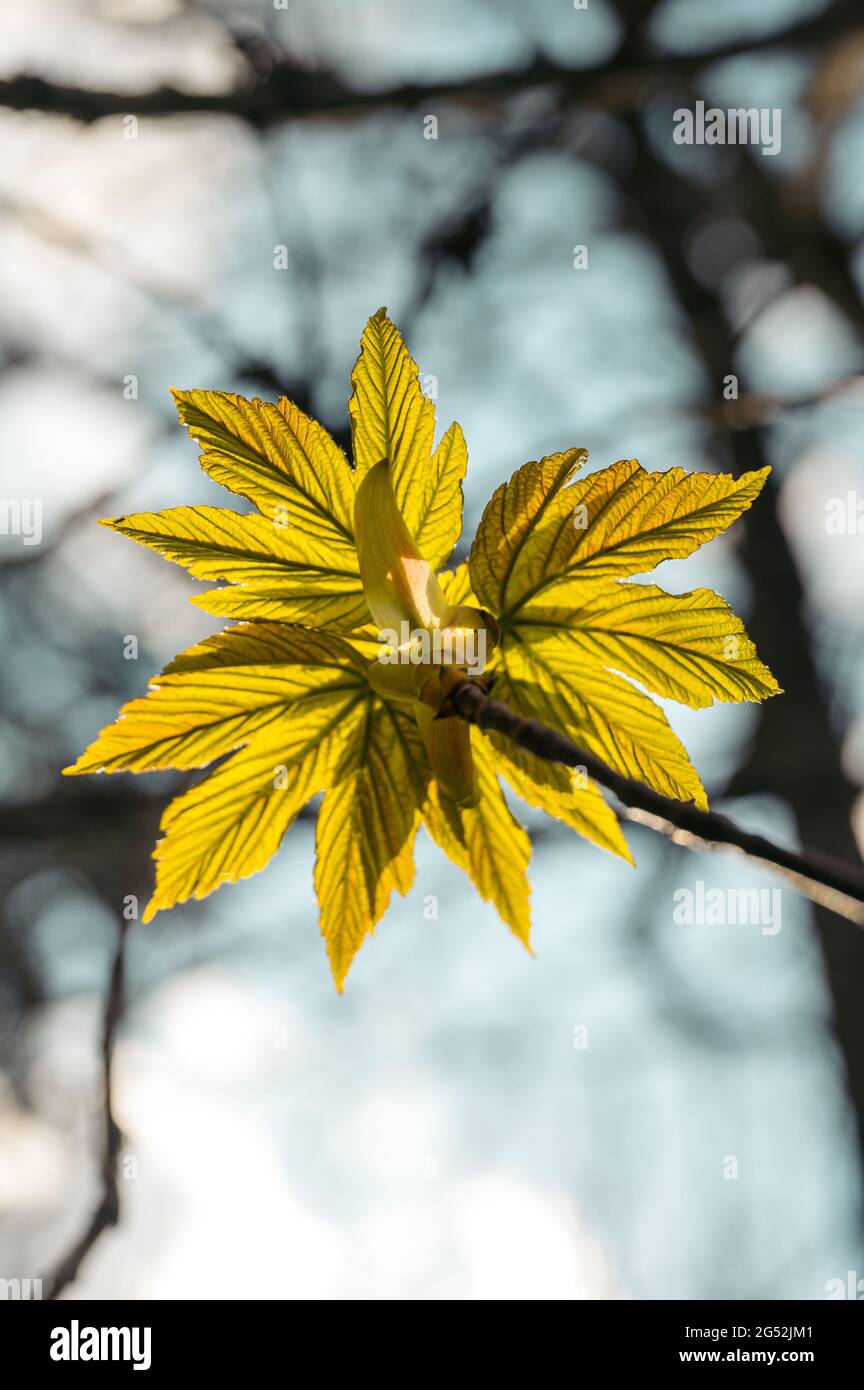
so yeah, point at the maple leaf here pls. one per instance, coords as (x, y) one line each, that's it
(333, 681)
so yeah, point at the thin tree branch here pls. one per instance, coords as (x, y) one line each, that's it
(754, 409)
(289, 91)
(795, 750)
(107, 1212)
(826, 881)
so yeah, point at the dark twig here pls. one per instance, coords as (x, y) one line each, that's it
(107, 1212)
(829, 882)
(287, 91)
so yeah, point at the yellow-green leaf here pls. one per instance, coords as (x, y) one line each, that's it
(486, 842)
(435, 517)
(280, 572)
(602, 713)
(635, 519)
(617, 522)
(398, 581)
(391, 419)
(365, 833)
(277, 457)
(230, 825)
(498, 568)
(456, 586)
(216, 696)
(560, 791)
(688, 647)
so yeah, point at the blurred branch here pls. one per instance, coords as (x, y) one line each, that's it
(752, 409)
(170, 298)
(74, 816)
(286, 90)
(828, 882)
(107, 1212)
(796, 752)
(70, 526)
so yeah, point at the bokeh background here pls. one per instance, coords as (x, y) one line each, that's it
(645, 1110)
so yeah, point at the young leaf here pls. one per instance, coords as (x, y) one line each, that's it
(559, 791)
(600, 711)
(230, 825)
(294, 709)
(279, 572)
(499, 567)
(687, 647)
(619, 522)
(365, 832)
(569, 626)
(391, 419)
(486, 842)
(212, 698)
(287, 698)
(277, 457)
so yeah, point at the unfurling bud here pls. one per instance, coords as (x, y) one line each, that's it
(398, 583)
(448, 745)
(406, 600)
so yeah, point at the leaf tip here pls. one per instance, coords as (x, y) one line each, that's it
(757, 477)
(339, 972)
(626, 854)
